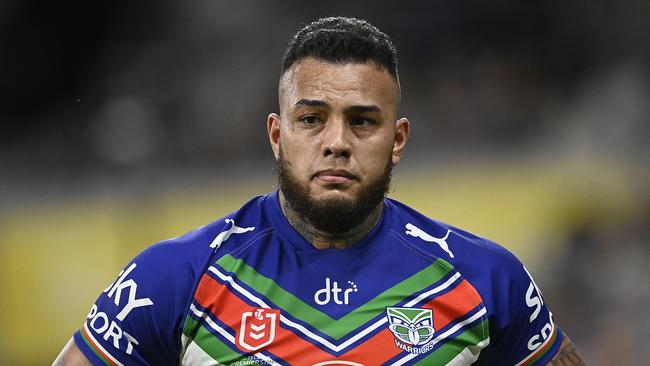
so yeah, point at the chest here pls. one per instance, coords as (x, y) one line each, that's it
(289, 311)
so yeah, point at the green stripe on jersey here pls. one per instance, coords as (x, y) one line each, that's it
(217, 349)
(93, 348)
(550, 345)
(191, 326)
(456, 345)
(336, 329)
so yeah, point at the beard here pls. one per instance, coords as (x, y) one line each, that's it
(332, 215)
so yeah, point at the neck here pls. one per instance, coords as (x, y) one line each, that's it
(323, 240)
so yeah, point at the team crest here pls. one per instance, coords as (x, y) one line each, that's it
(258, 328)
(412, 328)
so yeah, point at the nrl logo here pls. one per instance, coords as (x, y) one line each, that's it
(258, 328)
(412, 328)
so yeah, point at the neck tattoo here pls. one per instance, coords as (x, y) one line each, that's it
(321, 240)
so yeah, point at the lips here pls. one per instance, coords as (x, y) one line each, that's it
(335, 176)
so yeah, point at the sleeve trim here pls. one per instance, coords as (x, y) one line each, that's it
(97, 348)
(539, 352)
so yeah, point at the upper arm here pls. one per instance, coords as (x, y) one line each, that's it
(71, 355)
(522, 329)
(137, 320)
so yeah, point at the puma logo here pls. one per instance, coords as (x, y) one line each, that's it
(418, 233)
(224, 235)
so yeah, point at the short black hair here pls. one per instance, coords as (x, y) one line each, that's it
(342, 40)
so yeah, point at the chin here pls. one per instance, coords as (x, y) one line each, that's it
(333, 193)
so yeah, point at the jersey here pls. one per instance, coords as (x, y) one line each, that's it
(248, 289)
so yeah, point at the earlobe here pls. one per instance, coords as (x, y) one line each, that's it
(402, 130)
(273, 130)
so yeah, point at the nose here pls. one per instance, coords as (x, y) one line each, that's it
(336, 139)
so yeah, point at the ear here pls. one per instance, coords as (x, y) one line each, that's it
(273, 129)
(402, 130)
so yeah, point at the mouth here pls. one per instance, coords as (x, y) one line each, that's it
(335, 176)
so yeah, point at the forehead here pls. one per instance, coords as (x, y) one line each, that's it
(365, 83)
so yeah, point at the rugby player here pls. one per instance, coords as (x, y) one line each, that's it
(327, 270)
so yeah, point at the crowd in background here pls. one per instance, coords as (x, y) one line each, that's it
(89, 87)
(598, 288)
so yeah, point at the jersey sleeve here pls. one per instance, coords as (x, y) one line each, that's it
(522, 329)
(137, 320)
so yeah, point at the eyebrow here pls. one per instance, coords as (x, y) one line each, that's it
(350, 109)
(362, 109)
(311, 103)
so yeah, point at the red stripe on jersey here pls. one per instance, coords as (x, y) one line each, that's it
(286, 345)
(295, 350)
(453, 304)
(539, 352)
(97, 348)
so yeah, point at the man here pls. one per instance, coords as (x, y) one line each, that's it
(326, 271)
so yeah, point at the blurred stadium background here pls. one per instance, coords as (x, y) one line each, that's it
(127, 123)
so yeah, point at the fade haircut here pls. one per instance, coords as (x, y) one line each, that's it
(342, 40)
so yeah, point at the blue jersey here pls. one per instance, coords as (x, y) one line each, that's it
(247, 289)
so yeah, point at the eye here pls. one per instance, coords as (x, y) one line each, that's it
(310, 120)
(363, 121)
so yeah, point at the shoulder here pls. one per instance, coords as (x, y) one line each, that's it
(464, 250)
(488, 266)
(190, 252)
(520, 322)
(171, 269)
(139, 316)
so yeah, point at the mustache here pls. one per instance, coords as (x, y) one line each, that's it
(337, 172)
